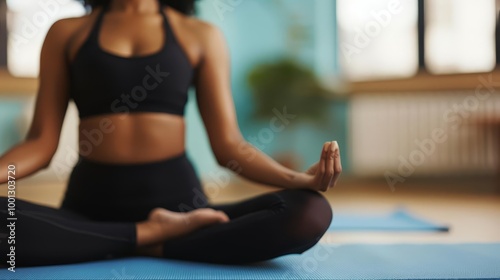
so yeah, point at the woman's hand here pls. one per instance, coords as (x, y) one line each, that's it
(325, 173)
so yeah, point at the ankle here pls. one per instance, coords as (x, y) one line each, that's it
(148, 233)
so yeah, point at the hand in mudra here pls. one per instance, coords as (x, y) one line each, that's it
(324, 174)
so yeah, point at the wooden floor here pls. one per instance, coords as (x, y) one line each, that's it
(473, 215)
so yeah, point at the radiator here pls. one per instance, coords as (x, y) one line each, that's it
(392, 133)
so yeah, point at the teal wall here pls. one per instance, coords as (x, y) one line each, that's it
(10, 111)
(256, 31)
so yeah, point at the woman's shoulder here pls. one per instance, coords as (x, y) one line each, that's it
(197, 36)
(67, 28)
(69, 33)
(73, 23)
(194, 26)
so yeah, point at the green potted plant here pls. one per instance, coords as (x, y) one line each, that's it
(286, 83)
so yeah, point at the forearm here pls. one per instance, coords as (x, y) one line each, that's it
(250, 163)
(27, 157)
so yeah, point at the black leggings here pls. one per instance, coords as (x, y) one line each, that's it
(103, 202)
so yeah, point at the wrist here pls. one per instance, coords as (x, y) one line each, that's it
(299, 180)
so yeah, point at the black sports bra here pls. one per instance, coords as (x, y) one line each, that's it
(105, 83)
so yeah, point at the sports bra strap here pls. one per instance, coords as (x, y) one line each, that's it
(94, 34)
(168, 29)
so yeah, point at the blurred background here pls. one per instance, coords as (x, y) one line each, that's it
(409, 89)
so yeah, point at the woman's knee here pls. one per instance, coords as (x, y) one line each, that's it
(310, 214)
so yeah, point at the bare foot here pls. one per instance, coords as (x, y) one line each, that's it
(163, 224)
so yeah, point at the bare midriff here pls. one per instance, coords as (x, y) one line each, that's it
(131, 138)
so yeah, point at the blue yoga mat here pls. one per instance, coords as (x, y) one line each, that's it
(350, 262)
(399, 220)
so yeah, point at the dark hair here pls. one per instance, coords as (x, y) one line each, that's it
(183, 6)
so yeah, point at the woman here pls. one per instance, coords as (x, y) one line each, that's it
(128, 66)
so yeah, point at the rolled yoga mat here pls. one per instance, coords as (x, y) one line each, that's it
(350, 262)
(399, 220)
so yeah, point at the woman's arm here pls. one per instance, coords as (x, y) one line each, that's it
(40, 144)
(230, 148)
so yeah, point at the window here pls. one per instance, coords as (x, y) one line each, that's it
(28, 22)
(460, 36)
(378, 38)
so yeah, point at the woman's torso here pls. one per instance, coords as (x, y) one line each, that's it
(137, 137)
